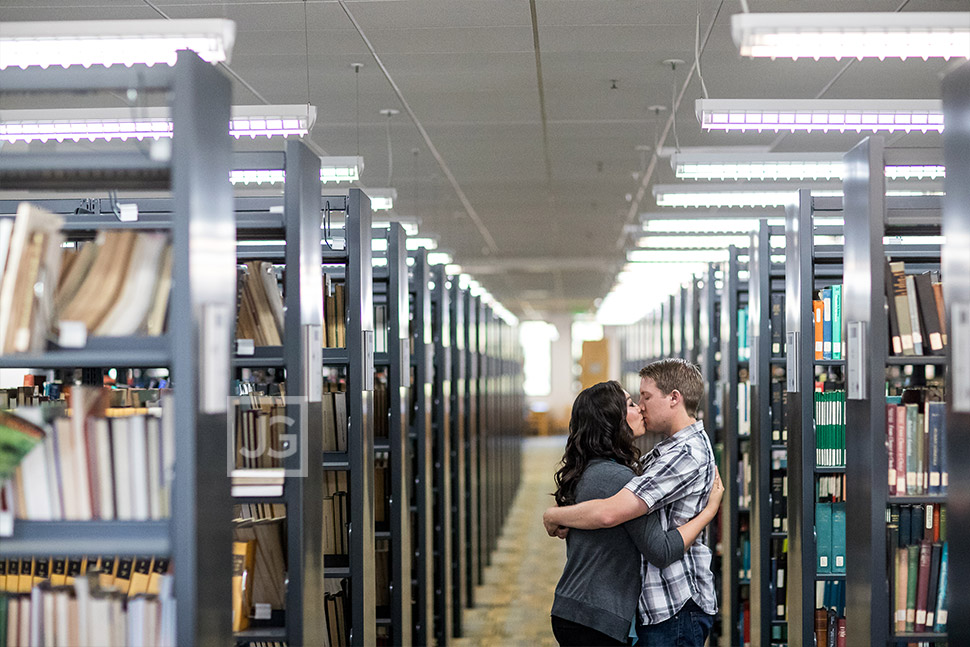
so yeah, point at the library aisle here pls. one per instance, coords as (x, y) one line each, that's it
(512, 607)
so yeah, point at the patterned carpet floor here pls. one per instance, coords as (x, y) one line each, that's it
(512, 607)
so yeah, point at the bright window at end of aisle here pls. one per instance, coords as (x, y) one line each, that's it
(536, 338)
(584, 330)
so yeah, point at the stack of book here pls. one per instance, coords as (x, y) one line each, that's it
(916, 538)
(336, 540)
(917, 316)
(260, 304)
(334, 313)
(830, 428)
(830, 614)
(829, 324)
(916, 444)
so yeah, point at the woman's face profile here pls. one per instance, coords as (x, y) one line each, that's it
(634, 417)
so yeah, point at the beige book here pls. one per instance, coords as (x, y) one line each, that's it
(73, 276)
(134, 301)
(100, 289)
(155, 320)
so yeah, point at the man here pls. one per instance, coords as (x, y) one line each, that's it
(677, 604)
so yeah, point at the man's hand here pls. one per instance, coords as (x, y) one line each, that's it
(553, 528)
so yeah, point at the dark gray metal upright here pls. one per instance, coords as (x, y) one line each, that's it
(759, 291)
(423, 502)
(800, 355)
(360, 410)
(472, 562)
(479, 409)
(679, 301)
(867, 599)
(399, 383)
(457, 478)
(730, 606)
(690, 294)
(709, 326)
(303, 324)
(441, 432)
(956, 287)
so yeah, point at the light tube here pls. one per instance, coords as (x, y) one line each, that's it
(693, 195)
(674, 240)
(783, 166)
(381, 199)
(76, 124)
(418, 243)
(341, 169)
(676, 255)
(113, 42)
(888, 115)
(707, 225)
(944, 34)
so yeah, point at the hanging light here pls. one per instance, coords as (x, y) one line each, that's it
(730, 165)
(381, 199)
(697, 195)
(341, 169)
(820, 114)
(76, 124)
(113, 42)
(944, 34)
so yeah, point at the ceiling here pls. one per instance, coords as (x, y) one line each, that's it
(550, 165)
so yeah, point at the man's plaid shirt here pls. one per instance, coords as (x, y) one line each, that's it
(678, 474)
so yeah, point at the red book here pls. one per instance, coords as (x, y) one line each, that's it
(840, 641)
(891, 445)
(923, 584)
(901, 449)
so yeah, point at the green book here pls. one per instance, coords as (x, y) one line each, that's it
(911, 448)
(912, 558)
(18, 435)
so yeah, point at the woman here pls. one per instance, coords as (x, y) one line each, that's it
(596, 599)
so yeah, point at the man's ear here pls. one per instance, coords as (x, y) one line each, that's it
(676, 397)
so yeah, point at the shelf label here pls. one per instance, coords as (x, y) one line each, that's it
(72, 334)
(405, 363)
(245, 347)
(959, 338)
(214, 344)
(313, 355)
(791, 360)
(367, 342)
(855, 360)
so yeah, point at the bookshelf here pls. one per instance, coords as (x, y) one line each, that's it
(807, 267)
(457, 479)
(300, 357)
(766, 319)
(869, 217)
(358, 460)
(956, 288)
(734, 511)
(422, 501)
(473, 473)
(392, 284)
(441, 419)
(196, 347)
(709, 344)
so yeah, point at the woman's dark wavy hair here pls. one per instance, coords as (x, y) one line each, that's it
(597, 429)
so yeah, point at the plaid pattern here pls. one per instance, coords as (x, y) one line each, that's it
(677, 477)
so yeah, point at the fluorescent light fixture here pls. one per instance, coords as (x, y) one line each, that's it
(676, 255)
(453, 269)
(76, 124)
(378, 244)
(257, 176)
(944, 34)
(694, 241)
(767, 166)
(418, 243)
(381, 199)
(341, 169)
(439, 258)
(782, 166)
(696, 195)
(113, 42)
(707, 225)
(857, 115)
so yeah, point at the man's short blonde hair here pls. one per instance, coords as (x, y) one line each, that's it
(677, 374)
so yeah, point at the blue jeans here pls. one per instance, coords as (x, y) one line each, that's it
(689, 627)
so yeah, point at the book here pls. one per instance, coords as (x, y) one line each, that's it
(827, 323)
(901, 303)
(837, 324)
(914, 315)
(922, 584)
(902, 585)
(940, 308)
(935, 412)
(933, 337)
(243, 556)
(838, 536)
(895, 337)
(912, 570)
(823, 538)
(818, 308)
(20, 433)
(940, 615)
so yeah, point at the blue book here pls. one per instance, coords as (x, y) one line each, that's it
(934, 414)
(838, 537)
(826, 323)
(823, 537)
(940, 615)
(837, 350)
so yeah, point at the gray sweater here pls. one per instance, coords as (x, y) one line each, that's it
(600, 584)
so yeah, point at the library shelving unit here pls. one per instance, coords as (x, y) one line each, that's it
(358, 359)
(956, 289)
(300, 357)
(457, 478)
(421, 500)
(869, 218)
(691, 294)
(708, 347)
(807, 267)
(676, 302)
(195, 347)
(734, 513)
(391, 288)
(473, 563)
(441, 421)
(766, 289)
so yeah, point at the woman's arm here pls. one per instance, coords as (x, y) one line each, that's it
(662, 548)
(690, 530)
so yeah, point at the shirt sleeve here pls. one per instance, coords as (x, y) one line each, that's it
(669, 478)
(658, 547)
